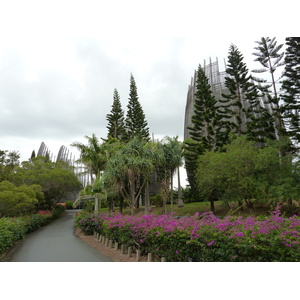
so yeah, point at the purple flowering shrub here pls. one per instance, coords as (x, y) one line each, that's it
(207, 238)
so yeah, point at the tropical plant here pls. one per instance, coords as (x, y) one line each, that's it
(128, 170)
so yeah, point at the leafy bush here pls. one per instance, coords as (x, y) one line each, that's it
(6, 239)
(157, 200)
(58, 211)
(87, 223)
(34, 222)
(14, 229)
(69, 204)
(204, 238)
(18, 201)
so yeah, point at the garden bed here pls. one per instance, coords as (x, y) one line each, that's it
(201, 238)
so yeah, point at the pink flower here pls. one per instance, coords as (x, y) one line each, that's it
(211, 243)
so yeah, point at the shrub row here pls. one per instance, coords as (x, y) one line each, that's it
(14, 229)
(204, 238)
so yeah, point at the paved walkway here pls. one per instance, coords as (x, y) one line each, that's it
(56, 242)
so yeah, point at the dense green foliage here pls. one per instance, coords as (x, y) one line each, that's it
(14, 229)
(245, 172)
(9, 160)
(56, 179)
(21, 200)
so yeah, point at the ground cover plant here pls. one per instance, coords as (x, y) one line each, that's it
(203, 238)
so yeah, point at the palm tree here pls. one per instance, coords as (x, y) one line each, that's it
(174, 154)
(95, 155)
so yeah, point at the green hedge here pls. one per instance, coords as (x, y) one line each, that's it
(13, 230)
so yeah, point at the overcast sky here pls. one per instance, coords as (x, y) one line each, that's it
(61, 60)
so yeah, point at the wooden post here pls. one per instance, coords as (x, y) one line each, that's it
(110, 243)
(163, 259)
(129, 251)
(149, 257)
(122, 249)
(116, 246)
(138, 255)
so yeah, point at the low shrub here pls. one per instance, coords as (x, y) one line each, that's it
(87, 223)
(58, 211)
(69, 204)
(204, 238)
(14, 229)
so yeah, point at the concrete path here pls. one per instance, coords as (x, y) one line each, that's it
(56, 242)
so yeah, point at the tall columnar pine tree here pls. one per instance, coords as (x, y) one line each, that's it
(291, 89)
(205, 129)
(269, 56)
(249, 117)
(204, 119)
(135, 123)
(116, 126)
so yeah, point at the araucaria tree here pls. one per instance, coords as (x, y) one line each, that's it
(269, 56)
(205, 118)
(291, 89)
(249, 117)
(116, 126)
(205, 129)
(135, 123)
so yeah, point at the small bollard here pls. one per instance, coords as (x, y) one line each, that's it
(122, 249)
(106, 242)
(110, 243)
(138, 255)
(100, 238)
(163, 259)
(129, 251)
(116, 246)
(149, 257)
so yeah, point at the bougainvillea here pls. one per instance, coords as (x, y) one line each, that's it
(205, 237)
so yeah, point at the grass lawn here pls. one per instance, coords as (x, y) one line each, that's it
(192, 208)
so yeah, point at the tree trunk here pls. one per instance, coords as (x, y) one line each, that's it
(132, 197)
(180, 202)
(212, 206)
(121, 205)
(164, 196)
(171, 193)
(147, 198)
